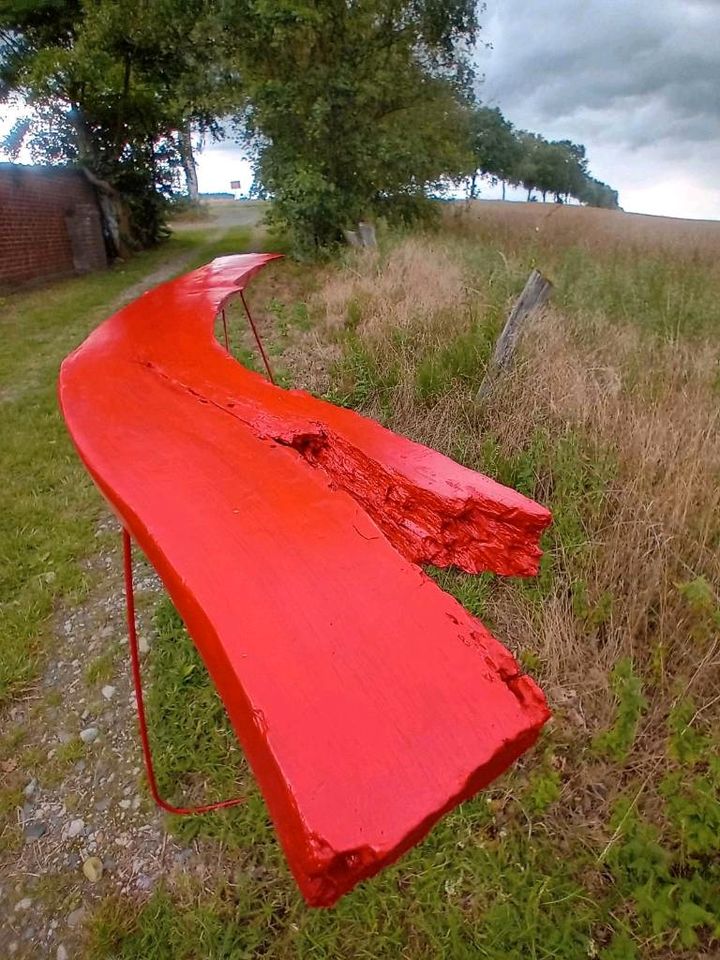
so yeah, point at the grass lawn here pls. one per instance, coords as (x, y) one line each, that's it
(604, 841)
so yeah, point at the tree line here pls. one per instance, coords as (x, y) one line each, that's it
(348, 108)
(558, 168)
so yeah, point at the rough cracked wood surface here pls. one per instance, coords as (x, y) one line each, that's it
(289, 534)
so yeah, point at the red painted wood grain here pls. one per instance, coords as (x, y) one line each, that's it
(289, 534)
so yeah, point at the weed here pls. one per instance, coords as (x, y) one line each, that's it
(361, 378)
(627, 687)
(665, 890)
(288, 315)
(543, 789)
(70, 752)
(471, 591)
(10, 833)
(101, 669)
(198, 756)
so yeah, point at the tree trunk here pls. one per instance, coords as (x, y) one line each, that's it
(503, 189)
(366, 232)
(120, 122)
(111, 215)
(529, 193)
(87, 151)
(535, 294)
(473, 186)
(188, 161)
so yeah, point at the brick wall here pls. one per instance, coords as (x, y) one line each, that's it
(49, 224)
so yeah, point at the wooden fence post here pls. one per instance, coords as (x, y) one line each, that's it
(535, 295)
(367, 233)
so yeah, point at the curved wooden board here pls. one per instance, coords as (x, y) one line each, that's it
(288, 533)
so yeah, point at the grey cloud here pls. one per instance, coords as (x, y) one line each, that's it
(551, 57)
(623, 74)
(557, 60)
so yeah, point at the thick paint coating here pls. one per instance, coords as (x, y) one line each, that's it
(288, 533)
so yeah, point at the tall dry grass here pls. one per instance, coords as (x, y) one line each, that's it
(653, 407)
(558, 225)
(626, 422)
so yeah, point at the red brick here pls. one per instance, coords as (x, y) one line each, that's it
(36, 204)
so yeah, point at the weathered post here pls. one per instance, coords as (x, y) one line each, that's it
(364, 236)
(535, 295)
(367, 233)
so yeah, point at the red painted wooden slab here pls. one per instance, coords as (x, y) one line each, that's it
(288, 533)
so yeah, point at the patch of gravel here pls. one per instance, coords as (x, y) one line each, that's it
(88, 827)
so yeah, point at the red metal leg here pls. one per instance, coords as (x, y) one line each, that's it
(135, 662)
(258, 341)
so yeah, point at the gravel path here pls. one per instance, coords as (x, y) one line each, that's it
(88, 828)
(223, 216)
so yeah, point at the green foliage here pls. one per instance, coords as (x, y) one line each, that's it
(692, 791)
(543, 790)
(353, 109)
(286, 317)
(101, 669)
(595, 193)
(362, 376)
(497, 151)
(573, 477)
(113, 86)
(687, 744)
(703, 619)
(693, 807)
(699, 595)
(471, 591)
(11, 800)
(620, 948)
(462, 358)
(618, 739)
(558, 167)
(671, 893)
(594, 614)
(658, 293)
(70, 752)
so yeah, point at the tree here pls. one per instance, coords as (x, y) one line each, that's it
(595, 193)
(353, 109)
(528, 172)
(560, 167)
(571, 169)
(113, 86)
(495, 148)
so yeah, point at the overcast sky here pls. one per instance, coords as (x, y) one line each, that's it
(636, 81)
